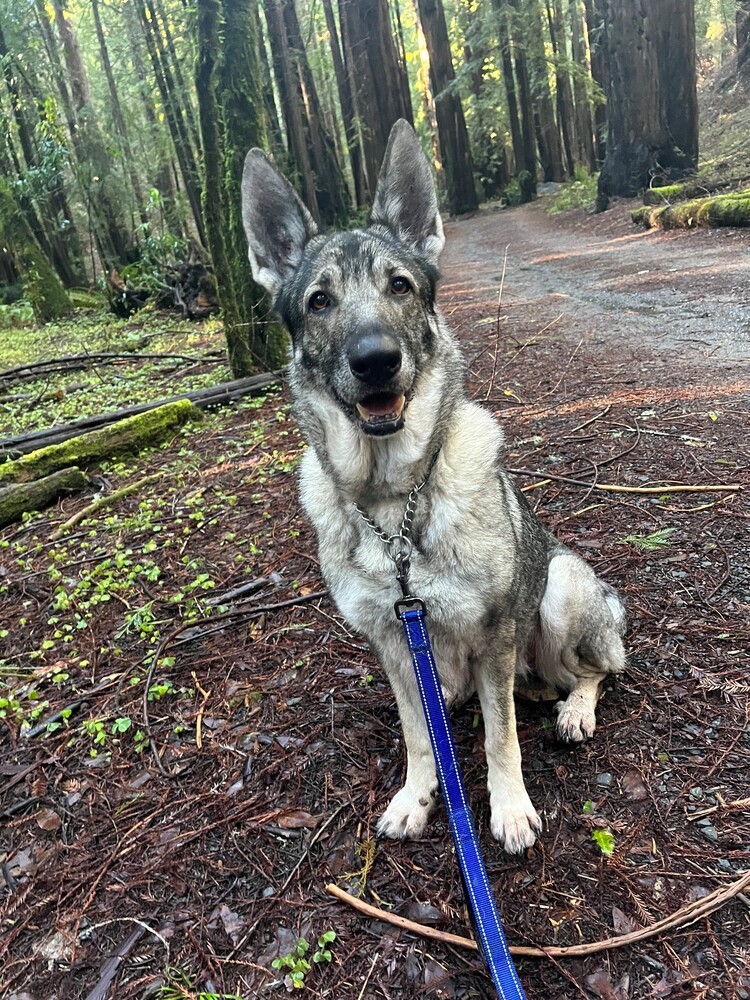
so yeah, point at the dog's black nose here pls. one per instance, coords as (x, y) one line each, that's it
(374, 357)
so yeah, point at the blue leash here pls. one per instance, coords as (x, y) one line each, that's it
(489, 930)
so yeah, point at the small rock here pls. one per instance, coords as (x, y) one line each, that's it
(709, 832)
(605, 780)
(725, 864)
(696, 793)
(704, 822)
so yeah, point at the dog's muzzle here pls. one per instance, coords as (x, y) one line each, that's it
(374, 358)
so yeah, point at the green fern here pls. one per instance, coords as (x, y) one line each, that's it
(650, 543)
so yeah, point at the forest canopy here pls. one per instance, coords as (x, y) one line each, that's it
(125, 124)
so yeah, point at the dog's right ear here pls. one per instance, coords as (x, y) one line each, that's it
(277, 224)
(405, 198)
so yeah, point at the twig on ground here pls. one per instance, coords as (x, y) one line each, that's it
(497, 327)
(687, 914)
(41, 727)
(646, 490)
(205, 695)
(102, 501)
(725, 807)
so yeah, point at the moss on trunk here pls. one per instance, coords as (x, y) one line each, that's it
(719, 210)
(41, 286)
(128, 435)
(19, 498)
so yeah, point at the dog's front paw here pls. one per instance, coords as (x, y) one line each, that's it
(406, 816)
(576, 720)
(515, 824)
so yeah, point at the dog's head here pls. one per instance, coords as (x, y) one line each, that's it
(359, 305)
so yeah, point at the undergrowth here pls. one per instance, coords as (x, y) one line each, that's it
(578, 193)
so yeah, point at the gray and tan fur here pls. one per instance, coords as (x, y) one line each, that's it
(378, 383)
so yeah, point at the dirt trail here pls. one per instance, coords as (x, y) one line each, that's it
(687, 292)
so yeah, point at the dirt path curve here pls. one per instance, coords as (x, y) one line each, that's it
(683, 292)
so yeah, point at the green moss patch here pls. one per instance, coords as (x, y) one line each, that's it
(719, 210)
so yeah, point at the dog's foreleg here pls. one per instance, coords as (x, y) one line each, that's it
(513, 819)
(410, 808)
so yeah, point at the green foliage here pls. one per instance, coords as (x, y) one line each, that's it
(295, 964)
(578, 193)
(180, 985)
(160, 250)
(650, 543)
(605, 841)
(588, 807)
(16, 314)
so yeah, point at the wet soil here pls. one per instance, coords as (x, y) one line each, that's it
(613, 357)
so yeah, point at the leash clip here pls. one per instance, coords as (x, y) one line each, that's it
(409, 603)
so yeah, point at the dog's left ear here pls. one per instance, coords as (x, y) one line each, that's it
(277, 224)
(405, 199)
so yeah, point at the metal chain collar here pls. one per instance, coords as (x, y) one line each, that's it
(399, 547)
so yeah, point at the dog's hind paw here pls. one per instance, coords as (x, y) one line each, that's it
(576, 720)
(406, 816)
(515, 826)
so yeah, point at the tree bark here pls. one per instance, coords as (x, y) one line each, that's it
(653, 120)
(584, 123)
(231, 120)
(94, 160)
(346, 103)
(373, 71)
(742, 24)
(565, 110)
(331, 192)
(599, 73)
(41, 285)
(525, 105)
(454, 139)
(174, 115)
(548, 133)
(117, 115)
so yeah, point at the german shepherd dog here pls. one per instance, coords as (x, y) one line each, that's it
(378, 384)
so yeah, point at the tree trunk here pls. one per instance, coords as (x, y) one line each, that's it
(565, 110)
(548, 136)
(40, 283)
(173, 113)
(398, 35)
(653, 127)
(231, 119)
(584, 124)
(454, 140)
(163, 180)
(599, 72)
(300, 161)
(528, 184)
(94, 159)
(18, 499)
(117, 115)
(331, 192)
(346, 103)
(373, 71)
(742, 23)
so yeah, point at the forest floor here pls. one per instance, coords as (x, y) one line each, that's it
(615, 356)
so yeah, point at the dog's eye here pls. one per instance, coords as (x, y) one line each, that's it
(319, 301)
(400, 286)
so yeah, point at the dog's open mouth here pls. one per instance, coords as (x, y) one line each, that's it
(381, 413)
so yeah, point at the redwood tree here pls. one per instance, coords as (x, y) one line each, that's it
(742, 22)
(231, 122)
(454, 139)
(652, 106)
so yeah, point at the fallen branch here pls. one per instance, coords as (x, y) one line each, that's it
(75, 362)
(102, 501)
(215, 395)
(130, 434)
(610, 488)
(18, 498)
(687, 914)
(68, 710)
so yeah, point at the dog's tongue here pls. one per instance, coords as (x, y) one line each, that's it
(381, 405)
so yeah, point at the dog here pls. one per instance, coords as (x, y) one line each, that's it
(377, 380)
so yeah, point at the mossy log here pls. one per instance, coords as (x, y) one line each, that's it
(670, 193)
(15, 500)
(128, 435)
(720, 210)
